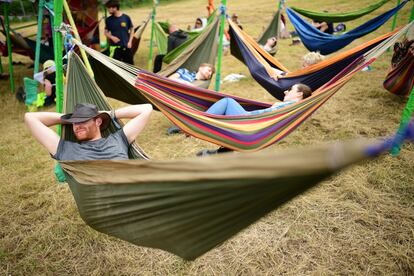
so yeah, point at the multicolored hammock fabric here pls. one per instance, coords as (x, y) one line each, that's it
(339, 17)
(190, 206)
(400, 80)
(261, 64)
(315, 40)
(185, 105)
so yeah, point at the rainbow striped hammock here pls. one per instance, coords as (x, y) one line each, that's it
(260, 63)
(185, 105)
(189, 206)
(400, 80)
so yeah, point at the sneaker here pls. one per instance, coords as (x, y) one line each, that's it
(207, 152)
(173, 130)
(223, 149)
(295, 41)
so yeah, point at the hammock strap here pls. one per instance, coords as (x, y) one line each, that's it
(406, 133)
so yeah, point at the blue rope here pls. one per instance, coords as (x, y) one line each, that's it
(68, 42)
(395, 141)
(222, 9)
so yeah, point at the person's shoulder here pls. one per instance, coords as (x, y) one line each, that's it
(181, 71)
(119, 135)
(126, 16)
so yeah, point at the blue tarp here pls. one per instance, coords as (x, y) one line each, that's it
(315, 40)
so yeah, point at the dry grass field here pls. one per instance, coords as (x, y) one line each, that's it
(360, 221)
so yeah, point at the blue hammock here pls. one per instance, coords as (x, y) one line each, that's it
(315, 40)
(320, 75)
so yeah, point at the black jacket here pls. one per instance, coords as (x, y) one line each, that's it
(175, 39)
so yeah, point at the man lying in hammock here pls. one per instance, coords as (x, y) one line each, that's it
(87, 124)
(183, 75)
(230, 107)
(270, 46)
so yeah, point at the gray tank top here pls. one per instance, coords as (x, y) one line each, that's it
(115, 146)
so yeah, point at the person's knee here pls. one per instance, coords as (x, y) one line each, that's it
(231, 101)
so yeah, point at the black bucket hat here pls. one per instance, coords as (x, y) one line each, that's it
(84, 112)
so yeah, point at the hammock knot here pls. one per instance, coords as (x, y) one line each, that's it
(222, 9)
(68, 42)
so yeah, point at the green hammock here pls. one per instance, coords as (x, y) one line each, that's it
(202, 50)
(271, 30)
(339, 17)
(189, 206)
(161, 36)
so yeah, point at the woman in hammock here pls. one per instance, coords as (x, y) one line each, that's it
(230, 107)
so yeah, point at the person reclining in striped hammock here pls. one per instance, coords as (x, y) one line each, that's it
(183, 75)
(230, 107)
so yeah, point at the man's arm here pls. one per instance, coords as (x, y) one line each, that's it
(139, 115)
(39, 123)
(109, 35)
(131, 33)
(131, 36)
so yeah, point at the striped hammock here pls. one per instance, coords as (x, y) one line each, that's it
(185, 105)
(260, 63)
(190, 206)
(315, 40)
(339, 17)
(400, 80)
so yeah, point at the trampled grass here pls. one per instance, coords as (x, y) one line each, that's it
(360, 221)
